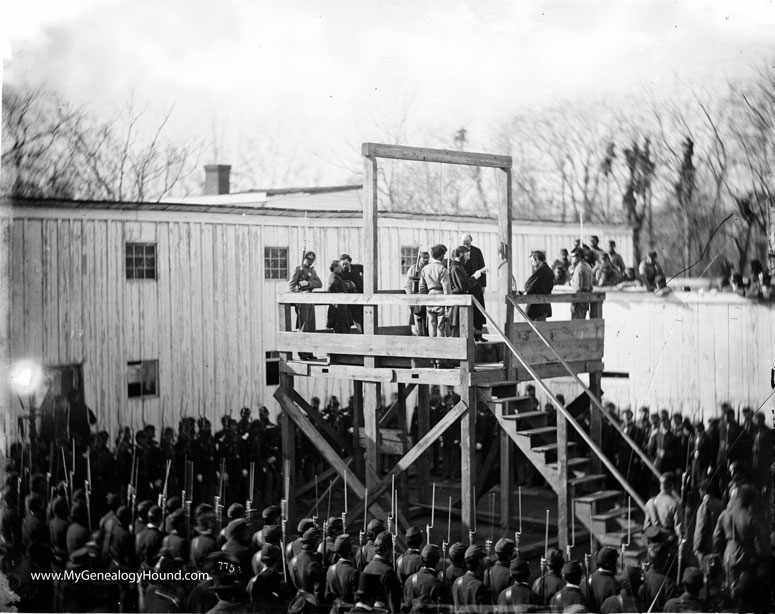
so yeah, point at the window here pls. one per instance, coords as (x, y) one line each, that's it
(141, 261)
(276, 263)
(408, 258)
(272, 368)
(142, 377)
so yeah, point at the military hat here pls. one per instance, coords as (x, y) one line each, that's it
(303, 602)
(383, 539)
(236, 525)
(519, 566)
(343, 545)
(304, 524)
(504, 544)
(375, 526)
(114, 501)
(236, 510)
(273, 533)
(571, 567)
(225, 582)
(311, 535)
(556, 558)
(270, 512)
(413, 531)
(607, 556)
(174, 503)
(143, 507)
(474, 551)
(653, 534)
(430, 554)
(124, 514)
(335, 522)
(270, 554)
(457, 552)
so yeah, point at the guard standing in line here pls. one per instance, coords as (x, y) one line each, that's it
(552, 582)
(305, 568)
(469, 593)
(335, 528)
(342, 577)
(380, 573)
(498, 577)
(294, 547)
(424, 588)
(570, 594)
(602, 583)
(366, 553)
(519, 593)
(410, 561)
(456, 567)
(267, 589)
(204, 541)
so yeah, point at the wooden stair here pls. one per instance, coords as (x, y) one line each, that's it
(603, 512)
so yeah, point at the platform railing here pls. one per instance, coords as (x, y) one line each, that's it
(385, 342)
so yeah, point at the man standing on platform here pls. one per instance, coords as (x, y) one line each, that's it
(305, 279)
(475, 263)
(412, 286)
(434, 279)
(581, 281)
(540, 282)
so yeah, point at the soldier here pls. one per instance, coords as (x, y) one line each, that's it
(690, 600)
(498, 577)
(231, 596)
(664, 509)
(456, 567)
(469, 592)
(270, 515)
(58, 536)
(148, 545)
(657, 587)
(167, 593)
(602, 584)
(202, 599)
(204, 541)
(423, 588)
(121, 553)
(707, 516)
(334, 528)
(570, 594)
(627, 599)
(141, 517)
(366, 553)
(551, 582)
(519, 593)
(237, 548)
(412, 286)
(204, 457)
(305, 569)
(342, 577)
(236, 510)
(175, 541)
(379, 573)
(294, 547)
(267, 589)
(410, 561)
(78, 532)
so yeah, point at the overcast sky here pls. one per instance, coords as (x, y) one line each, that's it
(319, 71)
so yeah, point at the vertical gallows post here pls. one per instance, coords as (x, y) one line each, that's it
(468, 423)
(370, 251)
(505, 266)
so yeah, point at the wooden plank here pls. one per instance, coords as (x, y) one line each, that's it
(115, 317)
(706, 341)
(442, 348)
(559, 297)
(389, 441)
(426, 154)
(77, 260)
(50, 296)
(720, 367)
(164, 351)
(17, 269)
(64, 325)
(40, 304)
(381, 299)
(209, 323)
(423, 426)
(256, 291)
(575, 340)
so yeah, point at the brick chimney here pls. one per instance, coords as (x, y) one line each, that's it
(217, 179)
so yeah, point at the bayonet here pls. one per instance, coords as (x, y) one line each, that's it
(428, 527)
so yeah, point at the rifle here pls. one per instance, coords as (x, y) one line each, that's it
(64, 469)
(219, 497)
(365, 512)
(344, 513)
(72, 474)
(428, 527)
(445, 544)
(395, 533)
(187, 494)
(325, 524)
(569, 548)
(162, 500)
(87, 486)
(130, 486)
(518, 534)
(249, 502)
(545, 559)
(317, 502)
(626, 544)
(49, 488)
(472, 532)
(134, 489)
(488, 542)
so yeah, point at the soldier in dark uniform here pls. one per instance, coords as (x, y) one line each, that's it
(602, 584)
(423, 588)
(78, 531)
(519, 593)
(333, 530)
(232, 597)
(410, 561)
(570, 594)
(342, 577)
(202, 599)
(456, 567)
(204, 542)
(658, 586)
(627, 599)
(690, 600)
(498, 577)
(270, 516)
(141, 516)
(175, 541)
(204, 457)
(148, 545)
(237, 548)
(294, 547)
(121, 554)
(379, 573)
(552, 581)
(305, 569)
(231, 449)
(366, 553)
(267, 589)
(469, 593)
(166, 594)
(58, 535)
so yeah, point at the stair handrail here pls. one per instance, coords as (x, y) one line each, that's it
(561, 408)
(595, 401)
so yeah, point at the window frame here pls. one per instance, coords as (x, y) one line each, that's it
(137, 261)
(141, 365)
(273, 262)
(415, 250)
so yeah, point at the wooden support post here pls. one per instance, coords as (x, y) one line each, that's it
(507, 473)
(469, 396)
(288, 435)
(358, 462)
(563, 502)
(505, 266)
(425, 461)
(403, 483)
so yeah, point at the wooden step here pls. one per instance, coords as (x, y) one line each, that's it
(550, 450)
(585, 481)
(511, 399)
(526, 415)
(599, 496)
(574, 464)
